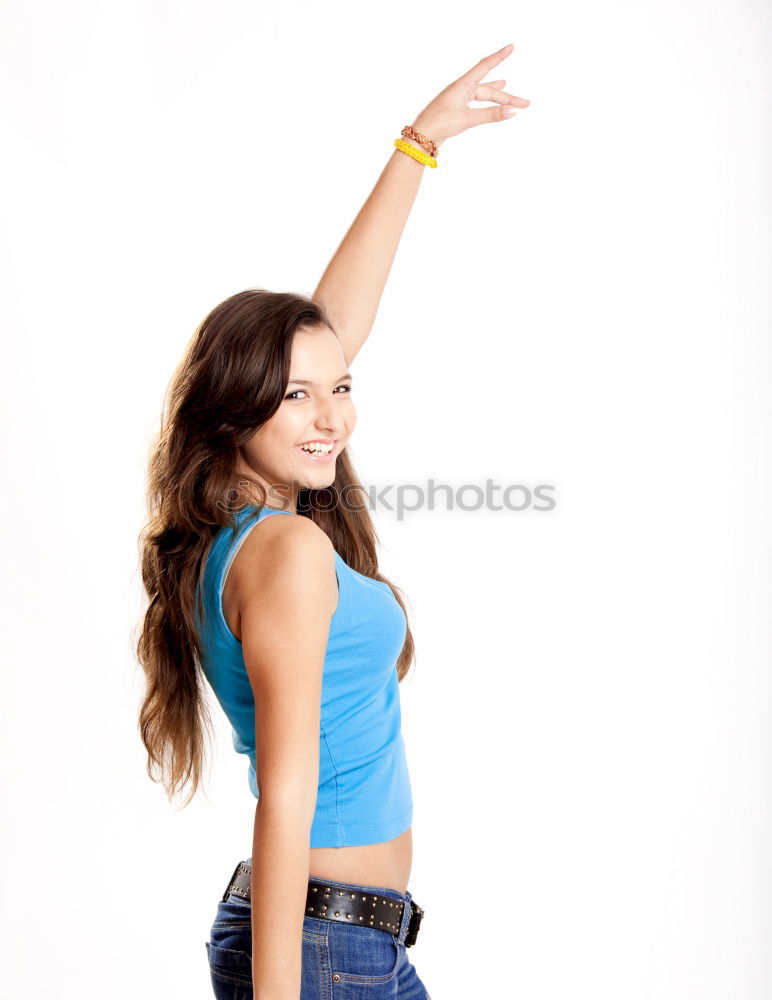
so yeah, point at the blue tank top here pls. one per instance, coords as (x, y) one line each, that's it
(364, 794)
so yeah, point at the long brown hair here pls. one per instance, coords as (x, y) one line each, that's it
(232, 379)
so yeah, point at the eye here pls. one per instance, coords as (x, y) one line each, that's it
(292, 395)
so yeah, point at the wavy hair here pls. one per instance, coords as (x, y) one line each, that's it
(231, 380)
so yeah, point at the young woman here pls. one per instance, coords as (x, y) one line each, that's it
(259, 560)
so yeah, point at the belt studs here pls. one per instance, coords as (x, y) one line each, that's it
(371, 922)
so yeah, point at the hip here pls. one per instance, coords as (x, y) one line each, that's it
(339, 959)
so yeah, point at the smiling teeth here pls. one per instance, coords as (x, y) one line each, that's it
(318, 449)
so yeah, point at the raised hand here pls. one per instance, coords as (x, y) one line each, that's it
(449, 113)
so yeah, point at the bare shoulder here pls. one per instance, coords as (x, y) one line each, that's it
(284, 558)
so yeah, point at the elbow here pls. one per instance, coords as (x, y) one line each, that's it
(293, 804)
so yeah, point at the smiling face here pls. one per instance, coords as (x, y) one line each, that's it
(317, 407)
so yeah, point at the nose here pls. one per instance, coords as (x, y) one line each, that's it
(329, 420)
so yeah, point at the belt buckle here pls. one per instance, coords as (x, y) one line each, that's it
(416, 915)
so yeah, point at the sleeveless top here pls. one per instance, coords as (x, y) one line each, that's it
(364, 794)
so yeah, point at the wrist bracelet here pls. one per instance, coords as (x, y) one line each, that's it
(428, 144)
(417, 154)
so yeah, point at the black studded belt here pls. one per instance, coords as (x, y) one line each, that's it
(328, 902)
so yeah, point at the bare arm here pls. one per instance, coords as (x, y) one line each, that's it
(287, 595)
(352, 285)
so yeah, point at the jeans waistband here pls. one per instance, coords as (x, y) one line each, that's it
(404, 897)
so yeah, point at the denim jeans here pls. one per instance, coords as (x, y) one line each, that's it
(339, 961)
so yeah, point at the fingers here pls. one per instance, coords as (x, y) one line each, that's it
(486, 65)
(498, 113)
(487, 92)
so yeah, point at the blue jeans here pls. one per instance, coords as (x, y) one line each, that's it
(339, 962)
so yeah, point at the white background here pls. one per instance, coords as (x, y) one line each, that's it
(581, 298)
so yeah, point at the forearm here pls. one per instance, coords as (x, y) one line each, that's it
(352, 285)
(280, 868)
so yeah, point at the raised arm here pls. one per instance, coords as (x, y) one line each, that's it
(286, 594)
(353, 282)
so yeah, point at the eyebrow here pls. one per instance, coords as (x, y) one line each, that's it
(347, 376)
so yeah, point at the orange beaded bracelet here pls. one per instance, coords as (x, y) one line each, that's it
(428, 144)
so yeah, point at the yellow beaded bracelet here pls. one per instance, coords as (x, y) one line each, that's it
(417, 154)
